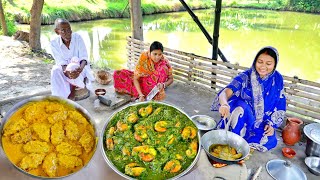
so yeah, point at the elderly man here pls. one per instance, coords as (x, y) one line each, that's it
(71, 68)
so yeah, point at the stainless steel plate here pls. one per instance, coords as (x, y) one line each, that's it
(204, 122)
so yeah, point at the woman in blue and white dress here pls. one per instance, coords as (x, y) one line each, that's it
(254, 101)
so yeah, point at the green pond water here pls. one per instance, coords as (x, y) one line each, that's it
(242, 33)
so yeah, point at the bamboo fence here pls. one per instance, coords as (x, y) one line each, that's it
(303, 96)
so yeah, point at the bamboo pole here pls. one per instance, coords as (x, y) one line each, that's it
(303, 112)
(301, 81)
(301, 94)
(302, 87)
(305, 101)
(302, 106)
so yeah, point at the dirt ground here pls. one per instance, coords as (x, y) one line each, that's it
(21, 72)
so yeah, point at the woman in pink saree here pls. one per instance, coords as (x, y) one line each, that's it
(152, 70)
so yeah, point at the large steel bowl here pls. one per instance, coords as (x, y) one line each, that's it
(79, 108)
(109, 162)
(220, 137)
(312, 132)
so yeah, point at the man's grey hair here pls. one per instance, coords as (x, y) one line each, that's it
(60, 21)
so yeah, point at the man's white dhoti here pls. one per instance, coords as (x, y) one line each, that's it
(60, 84)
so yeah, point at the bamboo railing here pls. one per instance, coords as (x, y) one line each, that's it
(303, 96)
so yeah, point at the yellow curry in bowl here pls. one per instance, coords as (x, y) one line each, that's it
(48, 139)
(150, 141)
(224, 151)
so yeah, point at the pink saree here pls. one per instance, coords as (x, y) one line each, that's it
(150, 75)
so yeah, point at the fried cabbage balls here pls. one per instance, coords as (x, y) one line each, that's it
(57, 133)
(69, 161)
(72, 131)
(68, 149)
(36, 147)
(42, 130)
(87, 141)
(16, 126)
(50, 164)
(35, 113)
(22, 136)
(31, 161)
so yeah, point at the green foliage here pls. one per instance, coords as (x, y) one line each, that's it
(48, 61)
(118, 10)
(96, 9)
(101, 64)
(10, 24)
(306, 5)
(312, 6)
(149, 8)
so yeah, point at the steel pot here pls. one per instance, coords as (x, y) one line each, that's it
(312, 132)
(114, 168)
(79, 108)
(220, 137)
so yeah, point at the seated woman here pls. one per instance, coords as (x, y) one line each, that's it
(152, 70)
(256, 101)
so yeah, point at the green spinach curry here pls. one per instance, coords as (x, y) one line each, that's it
(151, 141)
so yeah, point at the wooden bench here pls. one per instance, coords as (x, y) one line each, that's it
(303, 96)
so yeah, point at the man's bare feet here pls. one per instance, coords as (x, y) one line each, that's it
(72, 94)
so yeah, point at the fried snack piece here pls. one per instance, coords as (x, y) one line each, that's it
(36, 147)
(68, 149)
(87, 141)
(72, 131)
(58, 116)
(22, 136)
(42, 130)
(15, 126)
(57, 133)
(31, 161)
(69, 161)
(53, 107)
(35, 113)
(50, 164)
(77, 117)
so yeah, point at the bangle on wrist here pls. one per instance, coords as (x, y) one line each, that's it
(164, 85)
(226, 105)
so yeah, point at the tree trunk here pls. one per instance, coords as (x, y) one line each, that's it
(35, 25)
(3, 20)
(136, 19)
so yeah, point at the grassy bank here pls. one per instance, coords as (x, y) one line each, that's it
(79, 10)
(310, 6)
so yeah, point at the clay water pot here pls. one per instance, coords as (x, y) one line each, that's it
(291, 132)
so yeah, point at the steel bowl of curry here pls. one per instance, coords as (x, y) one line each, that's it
(224, 146)
(150, 140)
(48, 137)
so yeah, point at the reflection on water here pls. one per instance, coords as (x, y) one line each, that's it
(242, 34)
